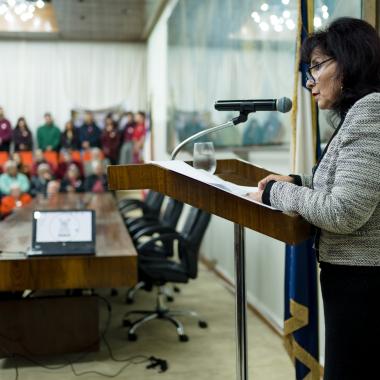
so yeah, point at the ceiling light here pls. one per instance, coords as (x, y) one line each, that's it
(285, 2)
(325, 15)
(264, 7)
(273, 19)
(285, 14)
(40, 4)
(264, 26)
(290, 24)
(325, 8)
(317, 22)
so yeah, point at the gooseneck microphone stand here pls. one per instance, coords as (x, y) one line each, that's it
(239, 247)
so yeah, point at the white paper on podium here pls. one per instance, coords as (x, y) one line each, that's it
(211, 179)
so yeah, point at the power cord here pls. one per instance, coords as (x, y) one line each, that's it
(152, 361)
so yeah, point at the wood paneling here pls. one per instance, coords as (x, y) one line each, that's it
(113, 265)
(49, 326)
(278, 225)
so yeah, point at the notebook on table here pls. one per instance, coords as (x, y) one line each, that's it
(63, 232)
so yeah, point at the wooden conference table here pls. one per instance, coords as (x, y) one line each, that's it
(51, 325)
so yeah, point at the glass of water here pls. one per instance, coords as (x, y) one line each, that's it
(204, 157)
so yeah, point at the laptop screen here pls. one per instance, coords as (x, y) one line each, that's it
(63, 226)
(63, 232)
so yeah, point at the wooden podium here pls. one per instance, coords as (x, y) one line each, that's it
(242, 212)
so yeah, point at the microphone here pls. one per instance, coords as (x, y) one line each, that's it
(252, 105)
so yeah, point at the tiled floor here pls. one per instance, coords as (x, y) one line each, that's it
(209, 354)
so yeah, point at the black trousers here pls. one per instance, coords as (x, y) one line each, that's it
(351, 300)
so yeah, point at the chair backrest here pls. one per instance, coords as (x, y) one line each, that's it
(193, 232)
(26, 158)
(172, 213)
(4, 157)
(52, 158)
(153, 202)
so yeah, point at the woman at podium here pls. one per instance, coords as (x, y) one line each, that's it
(341, 197)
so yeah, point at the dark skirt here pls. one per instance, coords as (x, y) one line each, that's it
(351, 300)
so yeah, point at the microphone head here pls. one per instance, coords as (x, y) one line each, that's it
(284, 105)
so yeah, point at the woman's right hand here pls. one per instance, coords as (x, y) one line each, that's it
(274, 177)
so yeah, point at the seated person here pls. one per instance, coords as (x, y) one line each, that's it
(72, 181)
(96, 182)
(10, 177)
(53, 188)
(65, 163)
(96, 155)
(14, 200)
(39, 159)
(25, 169)
(39, 183)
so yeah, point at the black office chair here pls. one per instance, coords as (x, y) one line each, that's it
(148, 225)
(151, 206)
(158, 271)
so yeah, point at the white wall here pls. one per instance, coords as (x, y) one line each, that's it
(56, 76)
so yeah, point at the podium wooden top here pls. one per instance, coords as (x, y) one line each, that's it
(280, 226)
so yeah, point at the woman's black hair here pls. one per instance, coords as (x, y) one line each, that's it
(355, 45)
(22, 119)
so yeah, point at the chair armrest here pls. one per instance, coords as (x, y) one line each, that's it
(158, 229)
(131, 222)
(129, 203)
(142, 224)
(162, 238)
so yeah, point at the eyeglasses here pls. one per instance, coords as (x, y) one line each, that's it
(312, 71)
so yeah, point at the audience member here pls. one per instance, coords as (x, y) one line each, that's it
(5, 132)
(65, 162)
(70, 137)
(39, 183)
(53, 187)
(138, 137)
(96, 182)
(16, 199)
(96, 155)
(89, 133)
(126, 151)
(21, 167)
(39, 159)
(48, 135)
(72, 182)
(111, 141)
(10, 177)
(22, 137)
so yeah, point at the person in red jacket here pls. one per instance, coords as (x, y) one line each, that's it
(14, 200)
(138, 137)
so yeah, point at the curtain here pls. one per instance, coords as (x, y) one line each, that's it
(57, 76)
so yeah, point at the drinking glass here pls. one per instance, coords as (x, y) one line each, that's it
(204, 157)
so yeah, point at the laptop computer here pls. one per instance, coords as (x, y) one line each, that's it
(63, 232)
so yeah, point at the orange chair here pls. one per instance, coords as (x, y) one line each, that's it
(87, 155)
(52, 158)
(26, 158)
(76, 156)
(4, 157)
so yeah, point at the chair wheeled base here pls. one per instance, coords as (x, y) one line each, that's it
(161, 312)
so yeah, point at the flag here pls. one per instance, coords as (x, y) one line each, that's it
(301, 292)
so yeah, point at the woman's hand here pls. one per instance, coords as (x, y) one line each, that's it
(257, 196)
(274, 177)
